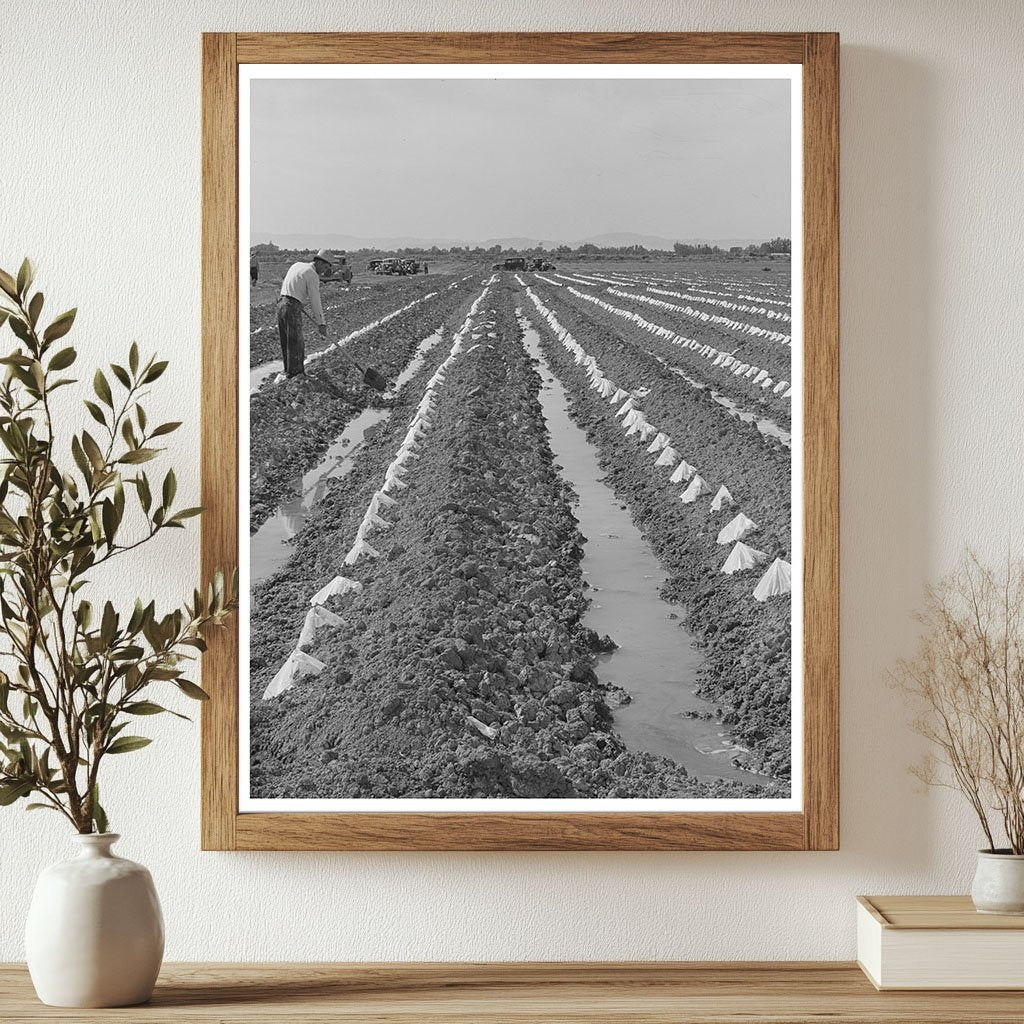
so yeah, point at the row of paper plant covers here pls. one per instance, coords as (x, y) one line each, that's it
(715, 319)
(776, 581)
(727, 362)
(299, 663)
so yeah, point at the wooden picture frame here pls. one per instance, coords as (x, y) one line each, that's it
(816, 827)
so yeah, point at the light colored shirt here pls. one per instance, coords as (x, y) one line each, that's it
(302, 283)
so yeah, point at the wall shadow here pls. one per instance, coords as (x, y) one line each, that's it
(887, 297)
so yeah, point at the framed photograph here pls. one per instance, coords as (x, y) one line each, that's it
(520, 419)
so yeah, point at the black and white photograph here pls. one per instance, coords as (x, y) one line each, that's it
(523, 377)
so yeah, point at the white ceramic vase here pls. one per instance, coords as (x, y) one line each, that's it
(95, 934)
(999, 883)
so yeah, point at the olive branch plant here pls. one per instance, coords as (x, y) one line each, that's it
(80, 673)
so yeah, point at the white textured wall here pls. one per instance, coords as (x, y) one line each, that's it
(99, 181)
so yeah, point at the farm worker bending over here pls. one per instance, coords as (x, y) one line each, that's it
(301, 285)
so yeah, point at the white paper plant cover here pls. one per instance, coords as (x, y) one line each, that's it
(360, 548)
(742, 558)
(380, 500)
(338, 587)
(682, 472)
(316, 617)
(625, 407)
(618, 396)
(777, 580)
(667, 457)
(661, 441)
(737, 527)
(299, 664)
(372, 521)
(697, 487)
(721, 499)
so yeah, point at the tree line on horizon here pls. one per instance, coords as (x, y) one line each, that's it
(585, 251)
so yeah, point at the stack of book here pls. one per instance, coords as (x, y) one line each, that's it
(938, 942)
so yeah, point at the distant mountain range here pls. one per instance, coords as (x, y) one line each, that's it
(614, 239)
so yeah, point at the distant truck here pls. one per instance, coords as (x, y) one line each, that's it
(523, 263)
(512, 263)
(396, 265)
(341, 271)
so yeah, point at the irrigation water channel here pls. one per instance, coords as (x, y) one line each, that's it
(656, 660)
(269, 546)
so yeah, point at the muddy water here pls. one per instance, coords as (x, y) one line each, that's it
(269, 546)
(656, 660)
(258, 374)
(415, 363)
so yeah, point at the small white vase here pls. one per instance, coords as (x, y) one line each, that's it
(999, 883)
(95, 934)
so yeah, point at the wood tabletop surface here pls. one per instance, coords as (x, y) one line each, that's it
(467, 993)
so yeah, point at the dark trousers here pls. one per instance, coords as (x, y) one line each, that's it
(289, 327)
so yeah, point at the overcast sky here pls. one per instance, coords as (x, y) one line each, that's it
(545, 159)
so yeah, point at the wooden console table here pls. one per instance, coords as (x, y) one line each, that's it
(641, 993)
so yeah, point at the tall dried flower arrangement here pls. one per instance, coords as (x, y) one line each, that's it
(967, 683)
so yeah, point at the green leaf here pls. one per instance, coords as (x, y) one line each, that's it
(145, 497)
(191, 690)
(14, 790)
(20, 328)
(16, 359)
(119, 499)
(63, 359)
(60, 326)
(128, 433)
(139, 455)
(99, 816)
(133, 358)
(26, 275)
(147, 707)
(186, 513)
(170, 488)
(95, 412)
(102, 388)
(143, 707)
(35, 307)
(92, 449)
(154, 372)
(78, 453)
(7, 285)
(41, 807)
(109, 521)
(126, 744)
(166, 428)
(108, 624)
(121, 374)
